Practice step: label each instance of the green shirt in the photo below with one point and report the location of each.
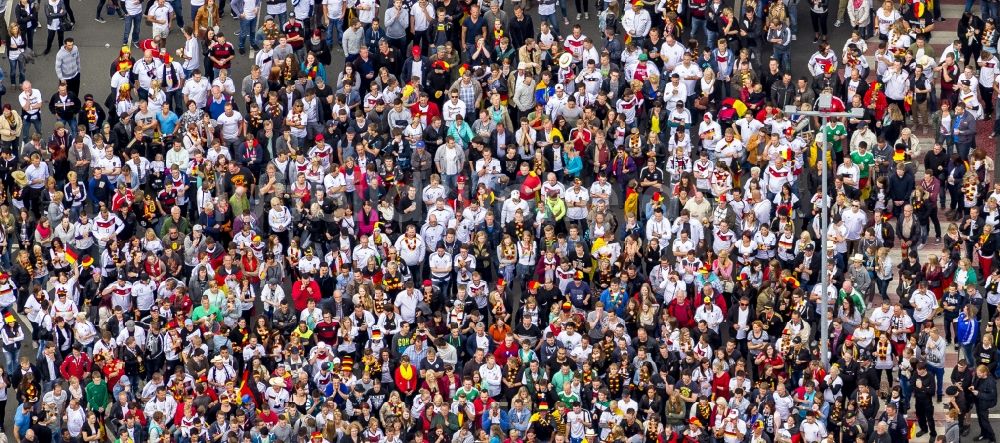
(558, 379)
(470, 395)
(835, 131)
(97, 395)
(200, 312)
(859, 301)
(864, 162)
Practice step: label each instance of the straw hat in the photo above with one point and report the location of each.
(565, 60)
(20, 178)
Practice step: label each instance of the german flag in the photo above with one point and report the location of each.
(72, 256)
(245, 394)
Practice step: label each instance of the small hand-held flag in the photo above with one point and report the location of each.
(72, 256)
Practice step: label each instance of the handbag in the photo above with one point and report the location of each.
(701, 103)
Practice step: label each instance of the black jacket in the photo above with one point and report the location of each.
(927, 388)
(986, 392)
(814, 266)
(67, 112)
(520, 30)
(900, 188)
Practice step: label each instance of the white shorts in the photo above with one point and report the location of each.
(160, 32)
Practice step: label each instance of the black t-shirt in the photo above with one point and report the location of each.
(473, 29)
(241, 178)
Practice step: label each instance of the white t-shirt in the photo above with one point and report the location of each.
(34, 98)
(438, 261)
(161, 13)
(133, 7)
(277, 9)
(367, 15)
(420, 22)
(302, 9)
(334, 9)
(230, 125)
(192, 49)
(197, 91)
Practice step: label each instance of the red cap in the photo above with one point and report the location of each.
(428, 283)
(319, 137)
(416, 51)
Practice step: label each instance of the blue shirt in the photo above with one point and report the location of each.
(216, 108)
(22, 420)
(168, 122)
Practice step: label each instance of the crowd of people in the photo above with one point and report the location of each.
(440, 221)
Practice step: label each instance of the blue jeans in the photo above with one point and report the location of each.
(964, 149)
(793, 19)
(333, 31)
(11, 357)
(968, 5)
(36, 122)
(449, 180)
(551, 20)
(697, 27)
(132, 23)
(969, 351)
(991, 10)
(179, 12)
(905, 390)
(444, 285)
(710, 39)
(68, 123)
(247, 29)
(280, 19)
(883, 287)
(784, 55)
(16, 71)
(194, 12)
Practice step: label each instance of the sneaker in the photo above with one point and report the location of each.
(794, 37)
(234, 15)
(586, 16)
(243, 51)
(815, 40)
(837, 23)
(100, 20)
(577, 16)
(565, 21)
(942, 19)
